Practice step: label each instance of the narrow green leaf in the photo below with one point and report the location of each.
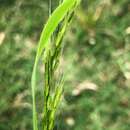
(53, 21)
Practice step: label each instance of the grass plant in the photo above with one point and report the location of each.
(50, 47)
(96, 53)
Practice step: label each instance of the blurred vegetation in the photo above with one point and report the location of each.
(96, 61)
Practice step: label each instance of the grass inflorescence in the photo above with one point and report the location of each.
(50, 46)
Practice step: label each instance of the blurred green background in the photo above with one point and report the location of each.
(96, 60)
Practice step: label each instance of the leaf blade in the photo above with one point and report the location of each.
(53, 21)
